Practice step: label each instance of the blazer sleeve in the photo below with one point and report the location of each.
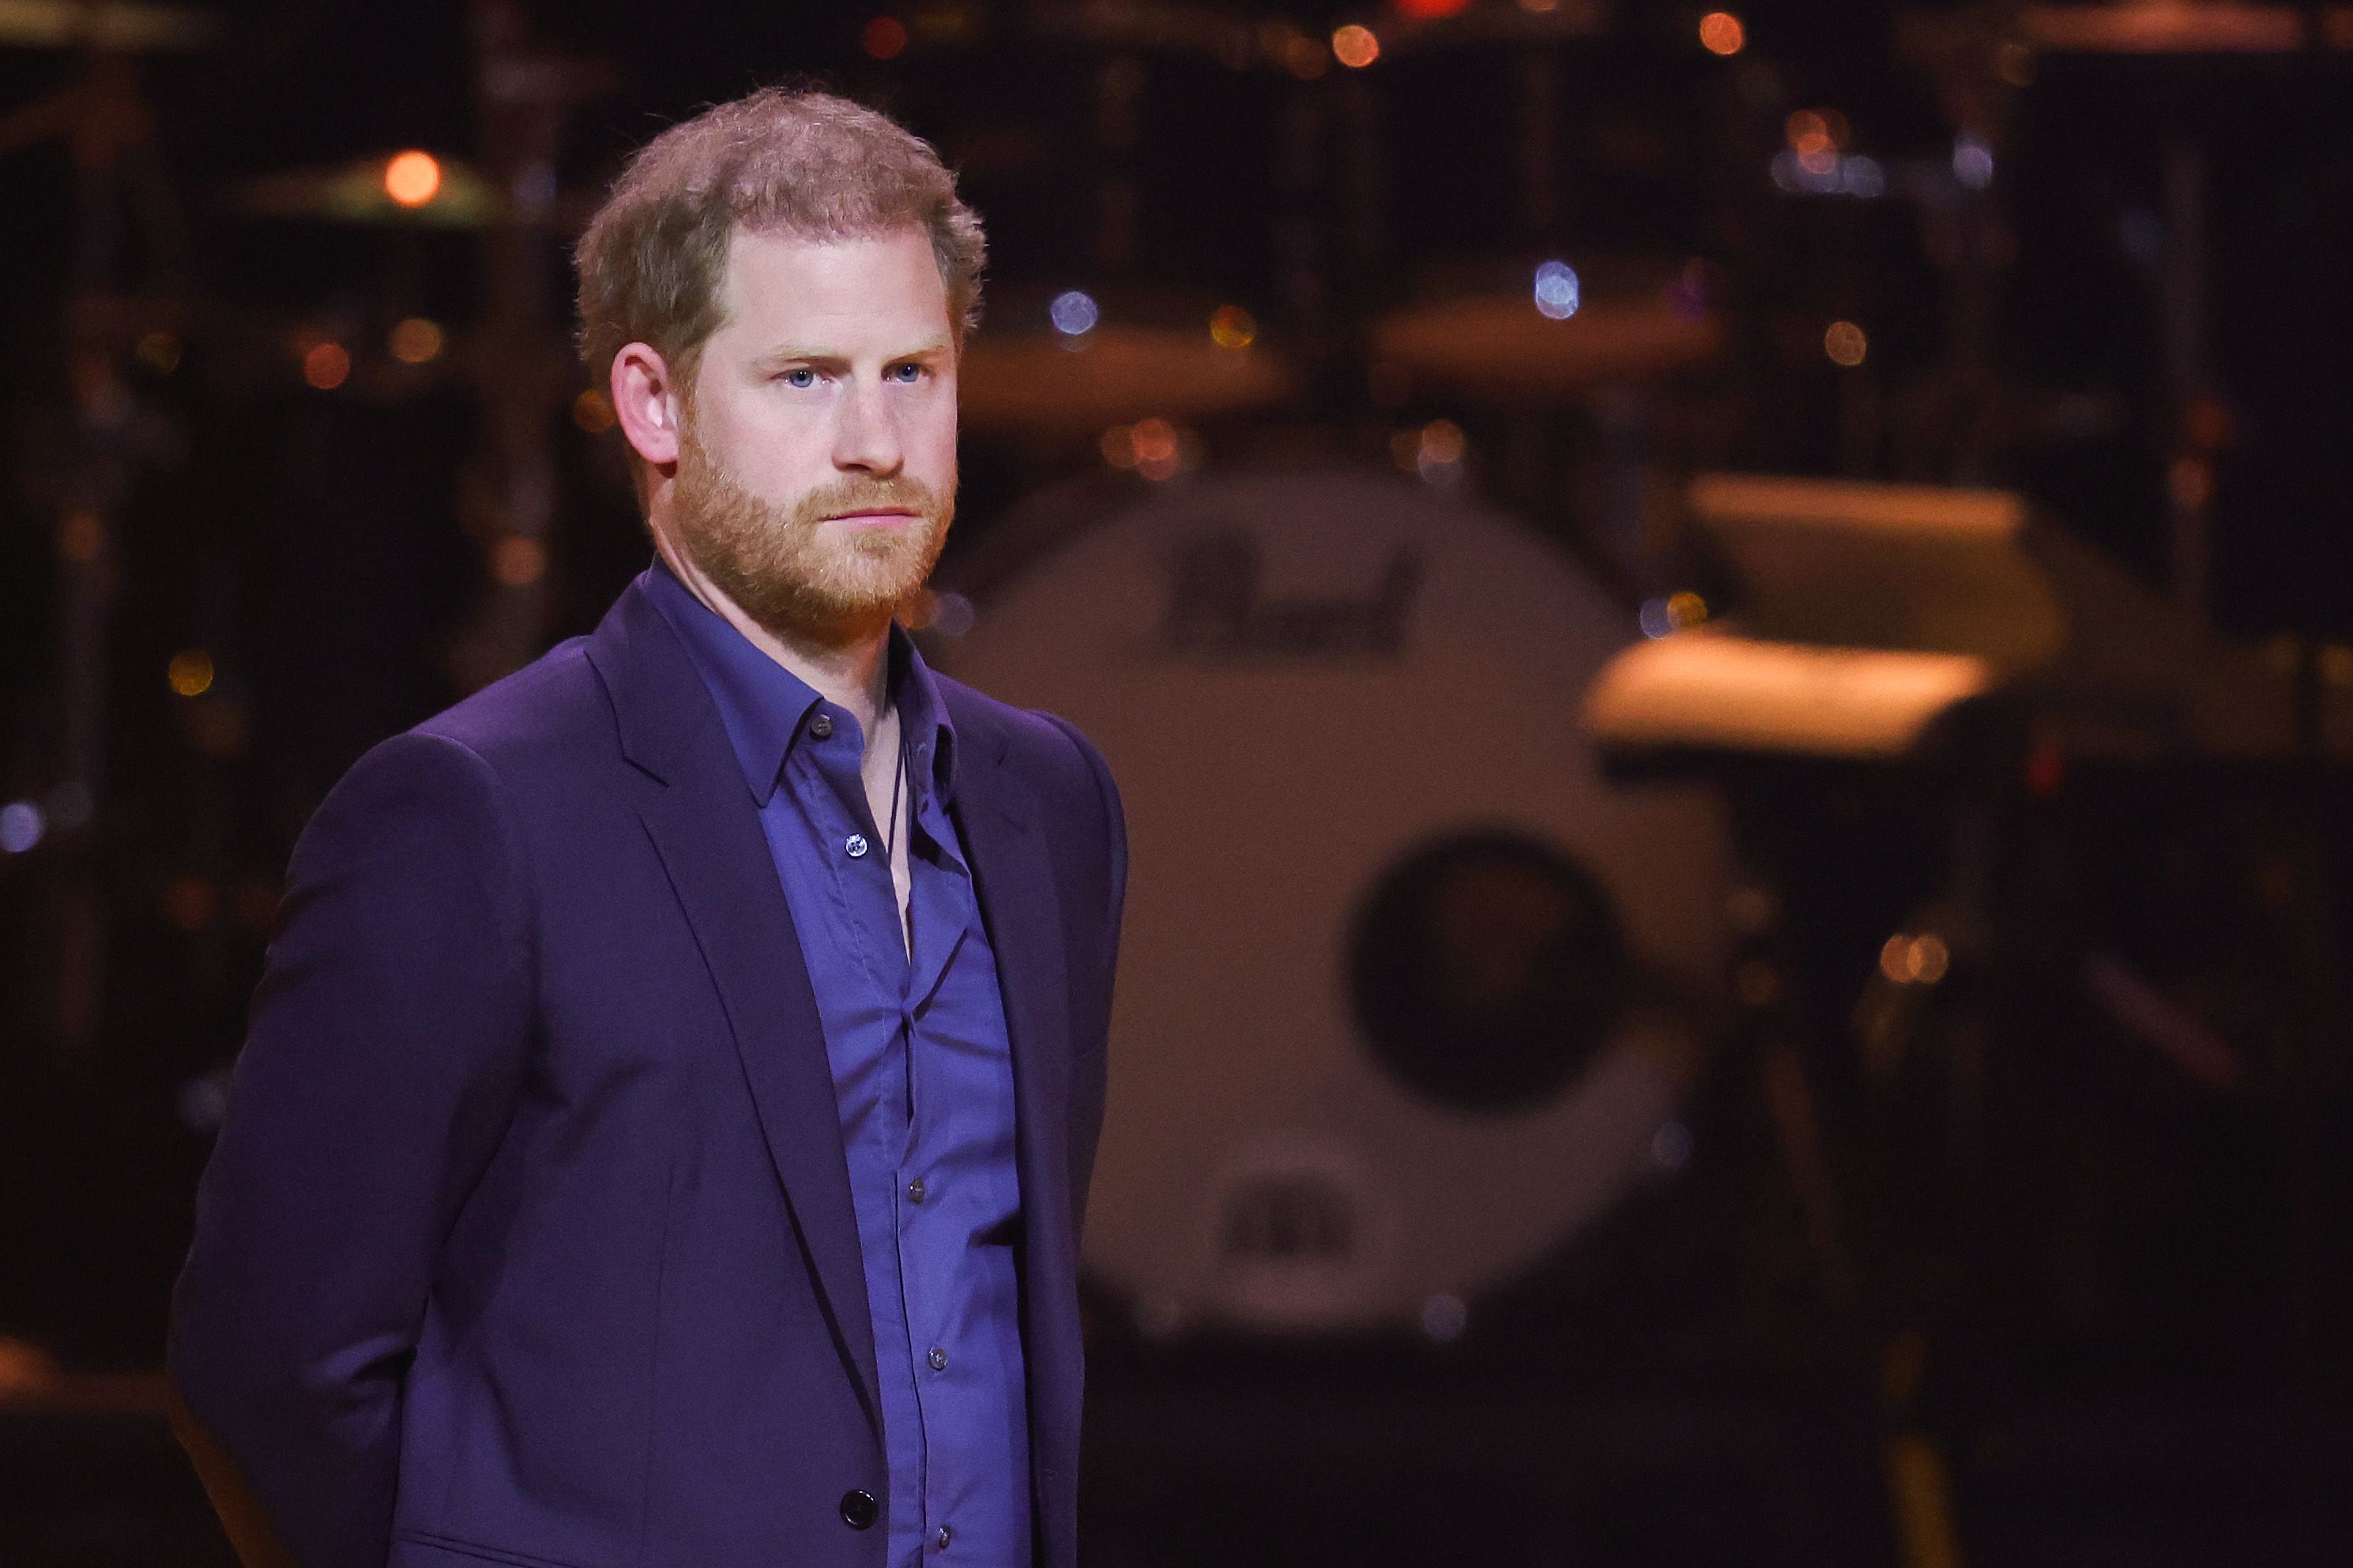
(387, 1047)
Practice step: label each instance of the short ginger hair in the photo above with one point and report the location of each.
(803, 163)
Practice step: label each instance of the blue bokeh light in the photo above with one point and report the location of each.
(1557, 291)
(1074, 313)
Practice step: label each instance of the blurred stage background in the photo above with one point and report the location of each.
(1726, 632)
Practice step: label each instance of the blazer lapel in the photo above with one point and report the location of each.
(1014, 881)
(702, 823)
(996, 817)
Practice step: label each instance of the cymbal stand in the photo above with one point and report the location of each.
(112, 442)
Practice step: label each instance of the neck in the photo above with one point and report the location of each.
(845, 665)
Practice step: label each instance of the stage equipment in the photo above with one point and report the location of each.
(1408, 988)
(107, 26)
(372, 191)
(1879, 621)
(127, 279)
(1029, 377)
(518, 356)
(1506, 347)
(2185, 28)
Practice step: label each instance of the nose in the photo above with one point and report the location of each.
(866, 437)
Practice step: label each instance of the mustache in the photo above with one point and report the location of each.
(864, 492)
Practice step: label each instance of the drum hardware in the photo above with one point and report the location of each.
(1962, 636)
(1878, 617)
(111, 438)
(1054, 383)
(1510, 349)
(404, 189)
(104, 27)
(2184, 28)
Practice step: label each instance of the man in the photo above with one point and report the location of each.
(669, 1109)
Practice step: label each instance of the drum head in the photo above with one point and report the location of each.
(1387, 1026)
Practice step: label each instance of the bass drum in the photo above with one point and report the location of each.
(1409, 990)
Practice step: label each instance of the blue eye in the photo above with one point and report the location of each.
(801, 376)
(909, 372)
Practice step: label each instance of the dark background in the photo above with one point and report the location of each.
(2137, 1307)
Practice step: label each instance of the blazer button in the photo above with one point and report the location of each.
(859, 1510)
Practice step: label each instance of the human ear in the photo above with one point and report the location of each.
(646, 403)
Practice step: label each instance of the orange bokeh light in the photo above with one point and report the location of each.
(1808, 132)
(412, 178)
(1432, 10)
(1356, 47)
(1845, 344)
(592, 412)
(884, 38)
(518, 562)
(326, 365)
(1720, 33)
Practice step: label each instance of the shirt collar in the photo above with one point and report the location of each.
(765, 706)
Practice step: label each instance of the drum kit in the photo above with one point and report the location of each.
(1441, 907)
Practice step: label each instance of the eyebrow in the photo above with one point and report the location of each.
(789, 355)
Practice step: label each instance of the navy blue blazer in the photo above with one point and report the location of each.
(527, 1238)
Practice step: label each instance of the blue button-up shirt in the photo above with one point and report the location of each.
(922, 1078)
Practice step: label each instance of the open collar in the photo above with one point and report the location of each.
(765, 708)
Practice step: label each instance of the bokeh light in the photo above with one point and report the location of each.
(1074, 313)
(1811, 133)
(1231, 327)
(1557, 292)
(191, 672)
(1355, 47)
(593, 411)
(518, 561)
(1910, 960)
(412, 178)
(1439, 453)
(326, 365)
(1845, 344)
(1158, 450)
(1721, 33)
(885, 37)
(159, 351)
(1972, 161)
(416, 340)
(21, 827)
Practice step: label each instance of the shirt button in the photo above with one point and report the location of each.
(939, 1359)
(915, 1190)
(822, 727)
(940, 1542)
(856, 845)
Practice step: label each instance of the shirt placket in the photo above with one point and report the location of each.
(922, 1206)
(865, 878)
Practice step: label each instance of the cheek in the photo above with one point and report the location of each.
(769, 453)
(935, 440)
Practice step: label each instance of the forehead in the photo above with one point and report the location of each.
(783, 282)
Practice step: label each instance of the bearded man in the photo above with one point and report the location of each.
(669, 1109)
